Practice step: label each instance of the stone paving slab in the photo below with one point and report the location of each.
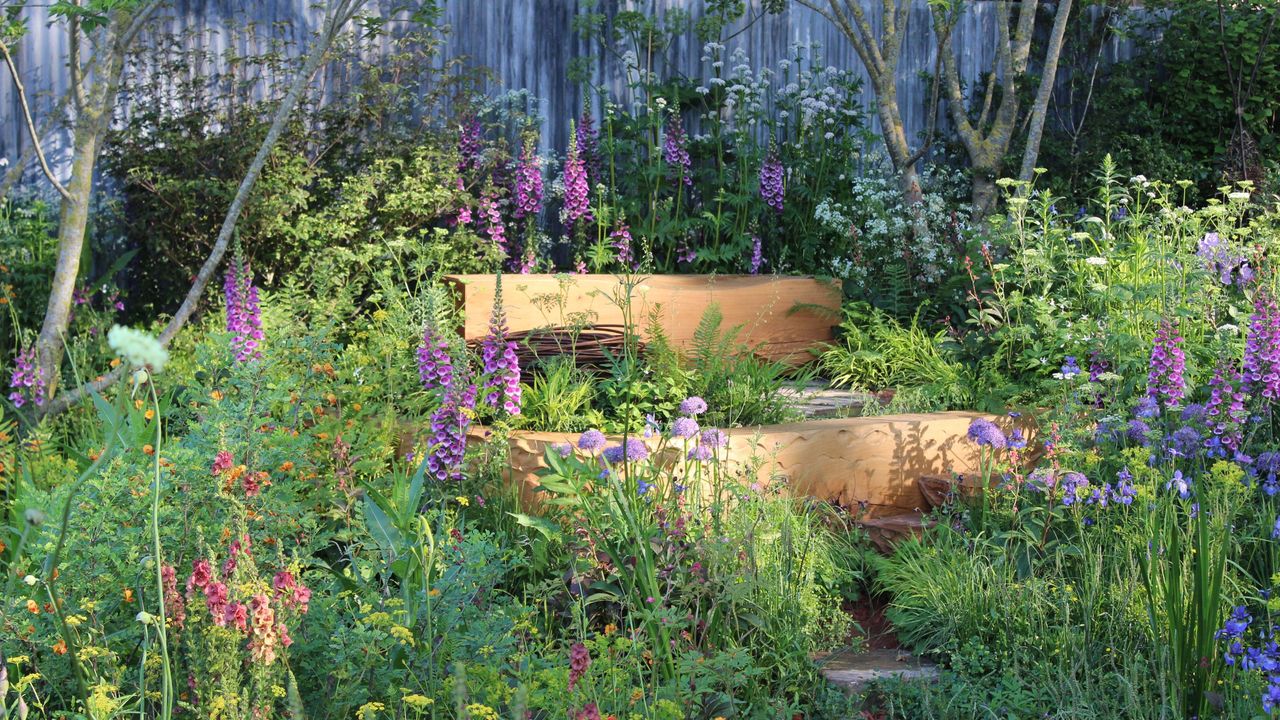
(854, 670)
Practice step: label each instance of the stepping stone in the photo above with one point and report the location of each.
(885, 532)
(854, 670)
(817, 400)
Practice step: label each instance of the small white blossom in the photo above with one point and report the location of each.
(138, 348)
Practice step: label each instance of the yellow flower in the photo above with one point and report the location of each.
(19, 659)
(481, 712)
(434, 592)
(418, 702)
(401, 633)
(462, 500)
(369, 710)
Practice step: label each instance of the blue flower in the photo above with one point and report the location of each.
(693, 405)
(591, 441)
(1179, 484)
(633, 451)
(1275, 531)
(1070, 368)
(985, 432)
(643, 487)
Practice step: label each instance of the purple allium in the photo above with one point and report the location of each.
(1138, 431)
(714, 438)
(528, 182)
(1262, 349)
(772, 181)
(244, 320)
(1184, 442)
(592, 441)
(621, 240)
(634, 450)
(449, 423)
(675, 151)
(701, 453)
(501, 365)
(693, 406)
(577, 189)
(435, 365)
(757, 255)
(470, 144)
(27, 380)
(564, 450)
(985, 432)
(1225, 412)
(1168, 362)
(589, 146)
(684, 427)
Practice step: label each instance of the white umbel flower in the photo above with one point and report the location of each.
(138, 348)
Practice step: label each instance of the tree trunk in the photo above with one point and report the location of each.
(72, 221)
(895, 141)
(983, 191)
(909, 182)
(1040, 107)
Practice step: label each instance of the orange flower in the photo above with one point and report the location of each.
(60, 647)
(94, 455)
(286, 466)
(610, 629)
(148, 449)
(149, 414)
(128, 595)
(357, 407)
(137, 404)
(115, 362)
(33, 607)
(215, 395)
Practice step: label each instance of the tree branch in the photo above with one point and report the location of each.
(31, 123)
(339, 15)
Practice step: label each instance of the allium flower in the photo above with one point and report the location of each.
(27, 380)
(528, 183)
(988, 434)
(675, 152)
(693, 406)
(621, 240)
(592, 441)
(772, 181)
(713, 438)
(701, 453)
(137, 348)
(634, 450)
(577, 190)
(435, 365)
(1225, 411)
(1168, 362)
(757, 255)
(1262, 349)
(244, 320)
(685, 427)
